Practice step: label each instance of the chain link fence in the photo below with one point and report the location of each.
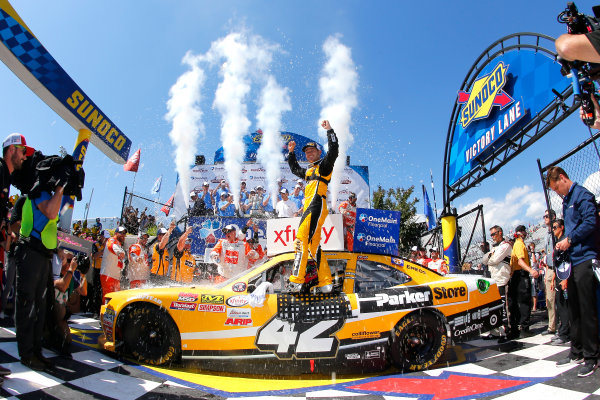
(582, 164)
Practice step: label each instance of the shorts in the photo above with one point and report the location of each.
(594, 38)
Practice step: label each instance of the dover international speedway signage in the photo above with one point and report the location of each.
(377, 231)
(23, 53)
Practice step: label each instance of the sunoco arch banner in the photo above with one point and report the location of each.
(23, 53)
(509, 91)
(377, 231)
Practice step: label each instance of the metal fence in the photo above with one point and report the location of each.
(471, 233)
(582, 164)
(140, 212)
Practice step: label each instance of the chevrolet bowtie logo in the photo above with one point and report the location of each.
(486, 93)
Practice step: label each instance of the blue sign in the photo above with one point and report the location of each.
(207, 231)
(377, 231)
(508, 93)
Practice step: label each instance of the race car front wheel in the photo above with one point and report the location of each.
(418, 341)
(150, 335)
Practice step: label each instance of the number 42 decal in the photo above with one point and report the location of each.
(300, 339)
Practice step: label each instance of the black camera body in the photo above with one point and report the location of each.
(83, 263)
(43, 173)
(578, 23)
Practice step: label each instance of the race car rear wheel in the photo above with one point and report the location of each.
(150, 335)
(418, 341)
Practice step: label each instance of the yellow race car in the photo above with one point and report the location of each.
(382, 309)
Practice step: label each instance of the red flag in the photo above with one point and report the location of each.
(167, 207)
(133, 163)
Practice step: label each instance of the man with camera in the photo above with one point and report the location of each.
(69, 279)
(33, 254)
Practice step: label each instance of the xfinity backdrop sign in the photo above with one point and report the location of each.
(281, 233)
(377, 231)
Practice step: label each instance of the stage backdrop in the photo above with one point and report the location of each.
(354, 179)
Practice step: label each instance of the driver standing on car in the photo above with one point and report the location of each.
(317, 176)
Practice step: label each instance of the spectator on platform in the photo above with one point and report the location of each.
(437, 264)
(197, 206)
(414, 254)
(225, 206)
(286, 208)
(97, 225)
(266, 200)
(222, 187)
(580, 242)
(138, 270)
(297, 196)
(243, 193)
(207, 196)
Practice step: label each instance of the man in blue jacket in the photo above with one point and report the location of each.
(579, 214)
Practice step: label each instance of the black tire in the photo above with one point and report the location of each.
(418, 341)
(150, 335)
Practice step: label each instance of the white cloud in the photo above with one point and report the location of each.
(521, 205)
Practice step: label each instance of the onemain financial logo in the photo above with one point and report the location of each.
(376, 241)
(377, 222)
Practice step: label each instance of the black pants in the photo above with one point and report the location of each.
(519, 301)
(583, 314)
(34, 285)
(58, 334)
(96, 301)
(562, 312)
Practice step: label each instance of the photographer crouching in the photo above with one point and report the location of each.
(69, 282)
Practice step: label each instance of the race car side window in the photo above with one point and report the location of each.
(278, 275)
(373, 275)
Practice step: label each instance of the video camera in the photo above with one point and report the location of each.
(578, 23)
(83, 263)
(582, 73)
(43, 173)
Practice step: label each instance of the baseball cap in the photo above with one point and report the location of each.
(414, 248)
(206, 183)
(224, 194)
(283, 190)
(161, 231)
(298, 186)
(299, 181)
(259, 187)
(18, 140)
(192, 193)
(228, 228)
(121, 229)
(188, 241)
(310, 144)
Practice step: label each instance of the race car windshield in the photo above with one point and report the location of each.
(240, 274)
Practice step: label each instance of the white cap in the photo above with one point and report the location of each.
(414, 248)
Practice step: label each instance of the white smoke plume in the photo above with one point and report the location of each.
(274, 100)
(245, 57)
(338, 85)
(185, 115)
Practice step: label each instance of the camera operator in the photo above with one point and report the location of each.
(69, 280)
(38, 238)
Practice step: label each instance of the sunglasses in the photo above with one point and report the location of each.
(494, 233)
(556, 227)
(546, 216)
(21, 147)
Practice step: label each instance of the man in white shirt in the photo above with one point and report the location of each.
(285, 207)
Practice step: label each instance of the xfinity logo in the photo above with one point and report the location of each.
(288, 235)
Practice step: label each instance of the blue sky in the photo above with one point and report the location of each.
(411, 59)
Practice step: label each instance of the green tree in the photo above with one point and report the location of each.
(400, 199)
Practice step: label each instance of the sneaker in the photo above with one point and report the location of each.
(33, 362)
(325, 288)
(46, 361)
(293, 287)
(548, 332)
(568, 360)
(559, 342)
(555, 337)
(586, 369)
